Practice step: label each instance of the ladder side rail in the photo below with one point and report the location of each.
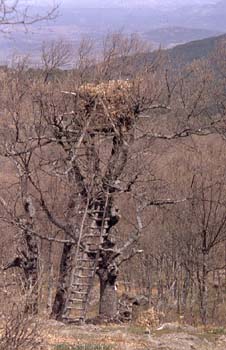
(102, 231)
(75, 257)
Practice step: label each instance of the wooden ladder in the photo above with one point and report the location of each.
(84, 267)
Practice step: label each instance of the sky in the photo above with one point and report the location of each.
(128, 3)
(116, 3)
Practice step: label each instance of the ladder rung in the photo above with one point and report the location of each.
(80, 284)
(83, 260)
(93, 249)
(73, 320)
(96, 211)
(101, 219)
(74, 307)
(85, 268)
(91, 243)
(82, 276)
(78, 292)
(92, 236)
(84, 263)
(96, 236)
(106, 225)
(76, 299)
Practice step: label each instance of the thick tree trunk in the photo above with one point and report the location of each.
(108, 304)
(63, 281)
(27, 262)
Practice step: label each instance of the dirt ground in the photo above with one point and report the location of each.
(58, 336)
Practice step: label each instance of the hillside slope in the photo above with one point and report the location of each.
(188, 52)
(172, 36)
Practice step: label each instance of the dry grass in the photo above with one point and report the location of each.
(149, 318)
(129, 337)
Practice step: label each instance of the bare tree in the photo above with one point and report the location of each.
(89, 139)
(55, 55)
(17, 12)
(82, 138)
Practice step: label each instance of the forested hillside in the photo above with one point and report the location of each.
(198, 49)
(188, 52)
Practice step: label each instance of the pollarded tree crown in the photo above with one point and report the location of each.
(112, 102)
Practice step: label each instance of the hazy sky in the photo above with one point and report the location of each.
(131, 2)
(108, 3)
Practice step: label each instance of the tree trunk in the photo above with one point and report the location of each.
(27, 262)
(49, 277)
(108, 305)
(203, 285)
(63, 281)
(30, 267)
(203, 290)
(185, 289)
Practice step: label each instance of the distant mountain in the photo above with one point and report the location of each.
(139, 15)
(186, 53)
(172, 36)
(99, 16)
(162, 22)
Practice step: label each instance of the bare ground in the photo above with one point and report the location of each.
(128, 337)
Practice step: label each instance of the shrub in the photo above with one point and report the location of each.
(20, 332)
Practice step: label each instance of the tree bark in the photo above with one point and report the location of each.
(49, 278)
(63, 281)
(31, 273)
(203, 290)
(108, 305)
(27, 262)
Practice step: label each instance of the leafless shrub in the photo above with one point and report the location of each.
(20, 331)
